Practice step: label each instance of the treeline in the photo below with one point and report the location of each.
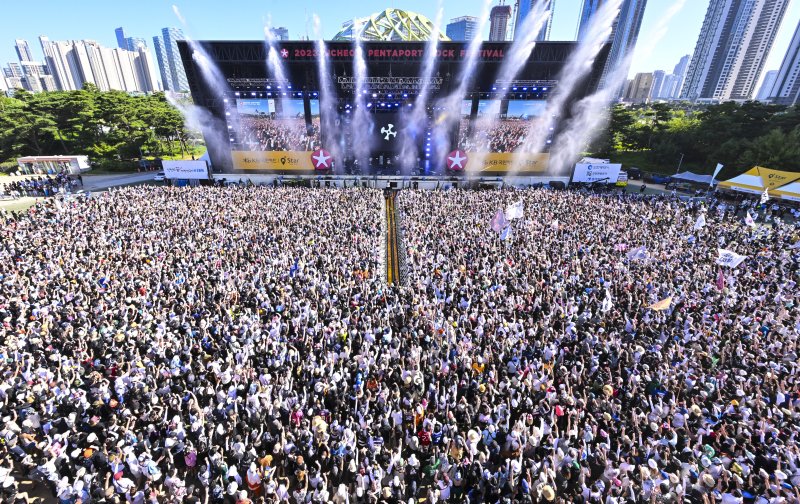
(739, 136)
(112, 125)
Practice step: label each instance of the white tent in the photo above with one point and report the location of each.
(788, 192)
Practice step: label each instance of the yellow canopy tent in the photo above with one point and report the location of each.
(757, 178)
(776, 178)
(749, 182)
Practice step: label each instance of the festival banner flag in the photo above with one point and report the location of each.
(506, 234)
(515, 210)
(749, 220)
(765, 195)
(639, 253)
(607, 302)
(720, 280)
(661, 305)
(716, 172)
(499, 222)
(554, 225)
(700, 223)
(729, 258)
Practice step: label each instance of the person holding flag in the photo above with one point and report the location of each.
(700, 223)
(498, 222)
(749, 220)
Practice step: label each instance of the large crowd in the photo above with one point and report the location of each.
(502, 136)
(239, 345)
(263, 133)
(41, 185)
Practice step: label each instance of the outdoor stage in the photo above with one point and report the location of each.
(408, 112)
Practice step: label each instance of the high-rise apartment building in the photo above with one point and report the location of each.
(23, 50)
(171, 36)
(163, 62)
(498, 22)
(766, 86)
(524, 8)
(77, 62)
(624, 31)
(679, 76)
(658, 84)
(638, 91)
(121, 42)
(786, 88)
(462, 28)
(734, 42)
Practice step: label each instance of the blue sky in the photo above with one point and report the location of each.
(245, 19)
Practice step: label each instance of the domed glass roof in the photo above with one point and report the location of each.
(390, 25)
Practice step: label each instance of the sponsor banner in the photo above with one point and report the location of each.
(182, 170)
(775, 178)
(502, 162)
(273, 160)
(605, 172)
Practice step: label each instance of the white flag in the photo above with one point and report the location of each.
(719, 167)
(515, 210)
(554, 225)
(701, 222)
(729, 258)
(765, 195)
(637, 253)
(607, 303)
(749, 220)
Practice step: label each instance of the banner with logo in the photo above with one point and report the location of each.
(273, 160)
(776, 178)
(183, 170)
(729, 258)
(588, 173)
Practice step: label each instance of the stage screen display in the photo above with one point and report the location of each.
(274, 135)
(498, 132)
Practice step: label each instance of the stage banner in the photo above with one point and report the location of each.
(602, 172)
(182, 170)
(502, 162)
(275, 161)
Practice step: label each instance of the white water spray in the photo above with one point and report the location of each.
(327, 99)
(452, 103)
(215, 131)
(575, 69)
(590, 115)
(361, 126)
(515, 61)
(276, 69)
(415, 121)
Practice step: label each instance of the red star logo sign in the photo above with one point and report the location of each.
(456, 160)
(321, 159)
(284, 53)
